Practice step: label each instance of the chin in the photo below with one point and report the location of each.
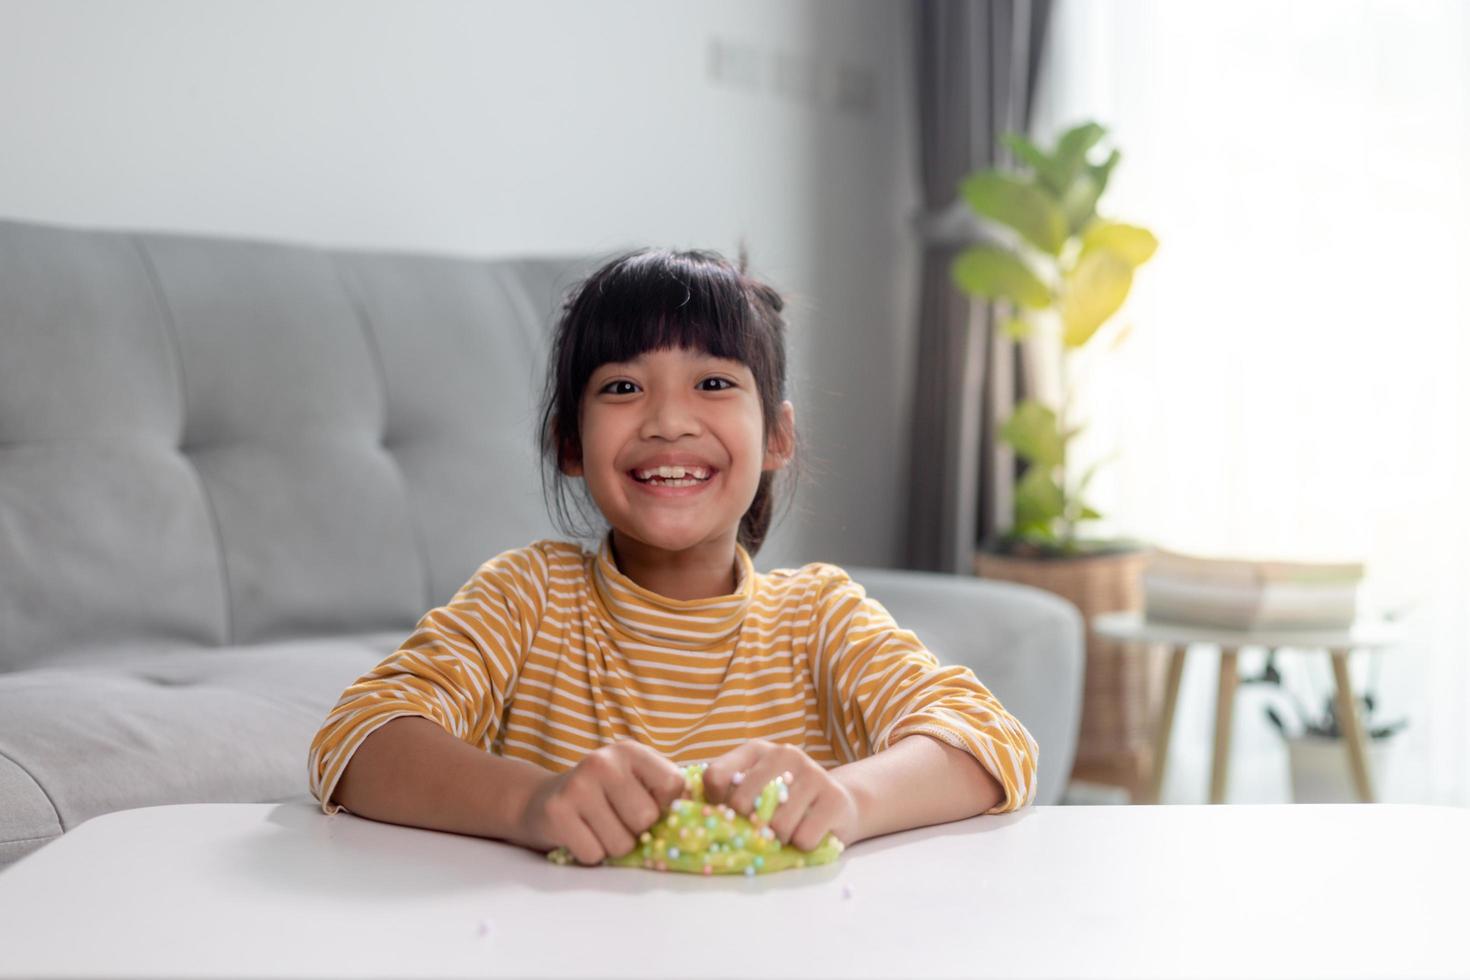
(670, 539)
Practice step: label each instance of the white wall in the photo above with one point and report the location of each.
(511, 128)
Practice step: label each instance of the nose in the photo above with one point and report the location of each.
(669, 415)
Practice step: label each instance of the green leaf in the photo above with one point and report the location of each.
(1035, 532)
(1131, 243)
(1072, 147)
(1017, 204)
(1079, 203)
(1102, 171)
(1093, 292)
(1088, 514)
(1038, 502)
(993, 272)
(1032, 432)
(1034, 157)
(1017, 327)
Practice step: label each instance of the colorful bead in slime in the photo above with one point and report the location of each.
(702, 838)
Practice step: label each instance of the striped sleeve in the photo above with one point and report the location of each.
(455, 668)
(876, 684)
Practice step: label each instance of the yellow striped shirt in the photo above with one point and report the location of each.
(549, 651)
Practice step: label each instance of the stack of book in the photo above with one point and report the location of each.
(1246, 594)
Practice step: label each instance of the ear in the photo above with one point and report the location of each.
(781, 446)
(570, 461)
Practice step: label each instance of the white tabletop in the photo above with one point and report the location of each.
(1133, 627)
(1108, 891)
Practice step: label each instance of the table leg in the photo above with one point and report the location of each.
(1352, 726)
(1224, 705)
(1166, 723)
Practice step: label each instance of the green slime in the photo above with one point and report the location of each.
(702, 838)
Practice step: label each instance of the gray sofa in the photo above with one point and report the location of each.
(234, 474)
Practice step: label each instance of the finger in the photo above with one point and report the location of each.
(719, 776)
(634, 805)
(743, 797)
(582, 842)
(663, 780)
(788, 815)
(820, 818)
(611, 834)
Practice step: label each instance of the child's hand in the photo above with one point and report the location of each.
(815, 802)
(599, 808)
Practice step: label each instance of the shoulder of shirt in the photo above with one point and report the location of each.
(535, 559)
(818, 578)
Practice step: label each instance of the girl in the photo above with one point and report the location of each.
(553, 700)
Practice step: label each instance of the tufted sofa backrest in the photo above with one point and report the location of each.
(209, 442)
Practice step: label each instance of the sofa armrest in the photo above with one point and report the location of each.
(1025, 644)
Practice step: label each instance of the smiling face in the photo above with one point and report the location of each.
(676, 407)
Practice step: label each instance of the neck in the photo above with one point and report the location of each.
(703, 571)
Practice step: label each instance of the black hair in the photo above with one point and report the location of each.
(656, 299)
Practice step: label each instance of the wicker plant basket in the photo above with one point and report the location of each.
(1114, 744)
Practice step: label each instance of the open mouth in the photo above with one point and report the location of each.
(674, 476)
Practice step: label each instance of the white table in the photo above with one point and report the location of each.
(1133, 629)
(277, 890)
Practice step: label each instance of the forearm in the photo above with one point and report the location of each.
(916, 782)
(412, 772)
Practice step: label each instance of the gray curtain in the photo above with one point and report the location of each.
(977, 62)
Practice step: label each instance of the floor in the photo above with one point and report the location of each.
(1260, 770)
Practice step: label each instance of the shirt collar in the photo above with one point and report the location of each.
(652, 618)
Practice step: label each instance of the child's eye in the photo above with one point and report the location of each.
(622, 382)
(726, 382)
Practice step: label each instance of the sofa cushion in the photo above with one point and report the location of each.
(111, 730)
(27, 820)
(283, 422)
(461, 397)
(216, 442)
(105, 532)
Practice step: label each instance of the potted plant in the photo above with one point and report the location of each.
(1054, 266)
(1318, 757)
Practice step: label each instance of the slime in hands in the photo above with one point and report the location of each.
(702, 838)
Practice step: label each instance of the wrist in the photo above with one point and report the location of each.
(510, 787)
(851, 779)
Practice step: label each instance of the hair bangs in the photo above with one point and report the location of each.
(660, 300)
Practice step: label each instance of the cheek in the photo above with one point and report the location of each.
(752, 448)
(597, 444)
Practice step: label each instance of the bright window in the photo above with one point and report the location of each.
(1294, 384)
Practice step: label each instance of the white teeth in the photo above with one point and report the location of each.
(674, 473)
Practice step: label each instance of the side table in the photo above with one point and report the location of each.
(1133, 629)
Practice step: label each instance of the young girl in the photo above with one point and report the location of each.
(552, 701)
